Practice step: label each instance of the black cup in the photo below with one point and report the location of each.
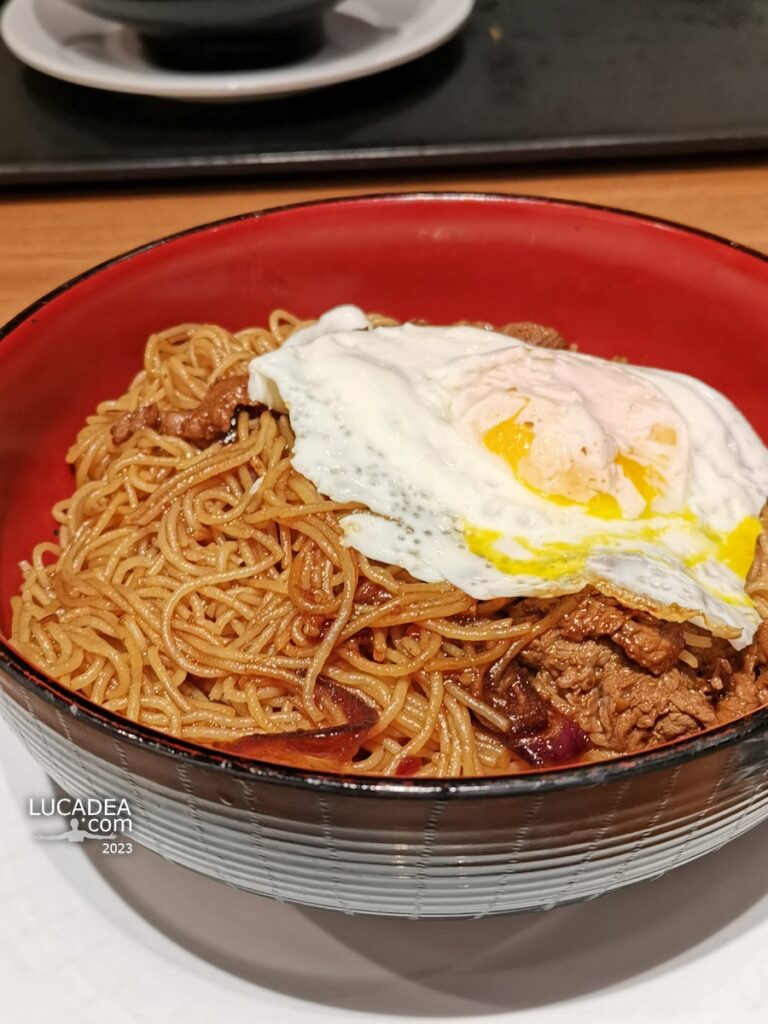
(195, 35)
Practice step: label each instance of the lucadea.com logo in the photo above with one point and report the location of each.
(104, 819)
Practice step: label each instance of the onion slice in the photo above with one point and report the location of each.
(537, 731)
(562, 741)
(315, 748)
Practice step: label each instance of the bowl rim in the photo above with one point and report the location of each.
(190, 753)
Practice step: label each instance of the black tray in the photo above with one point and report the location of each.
(525, 80)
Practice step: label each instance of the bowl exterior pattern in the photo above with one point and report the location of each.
(404, 855)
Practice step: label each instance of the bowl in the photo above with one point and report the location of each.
(219, 34)
(613, 282)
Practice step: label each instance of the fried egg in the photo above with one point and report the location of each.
(512, 470)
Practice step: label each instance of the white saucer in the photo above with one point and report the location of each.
(362, 37)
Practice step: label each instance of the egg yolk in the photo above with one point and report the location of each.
(736, 549)
(512, 440)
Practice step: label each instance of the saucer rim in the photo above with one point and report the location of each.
(19, 15)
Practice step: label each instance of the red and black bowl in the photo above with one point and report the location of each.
(653, 291)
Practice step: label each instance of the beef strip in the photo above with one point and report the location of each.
(761, 643)
(744, 692)
(619, 705)
(616, 673)
(130, 422)
(535, 334)
(649, 642)
(205, 423)
(745, 686)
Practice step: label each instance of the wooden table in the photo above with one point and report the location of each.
(45, 239)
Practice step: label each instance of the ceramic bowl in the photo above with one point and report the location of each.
(196, 34)
(611, 281)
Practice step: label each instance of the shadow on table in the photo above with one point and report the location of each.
(450, 968)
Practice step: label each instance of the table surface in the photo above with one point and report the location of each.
(691, 78)
(46, 238)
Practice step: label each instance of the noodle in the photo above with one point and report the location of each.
(206, 592)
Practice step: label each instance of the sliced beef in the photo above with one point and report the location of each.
(638, 709)
(535, 334)
(649, 642)
(576, 666)
(210, 420)
(761, 643)
(618, 704)
(743, 692)
(130, 422)
(715, 657)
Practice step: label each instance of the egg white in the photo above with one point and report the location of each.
(395, 418)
